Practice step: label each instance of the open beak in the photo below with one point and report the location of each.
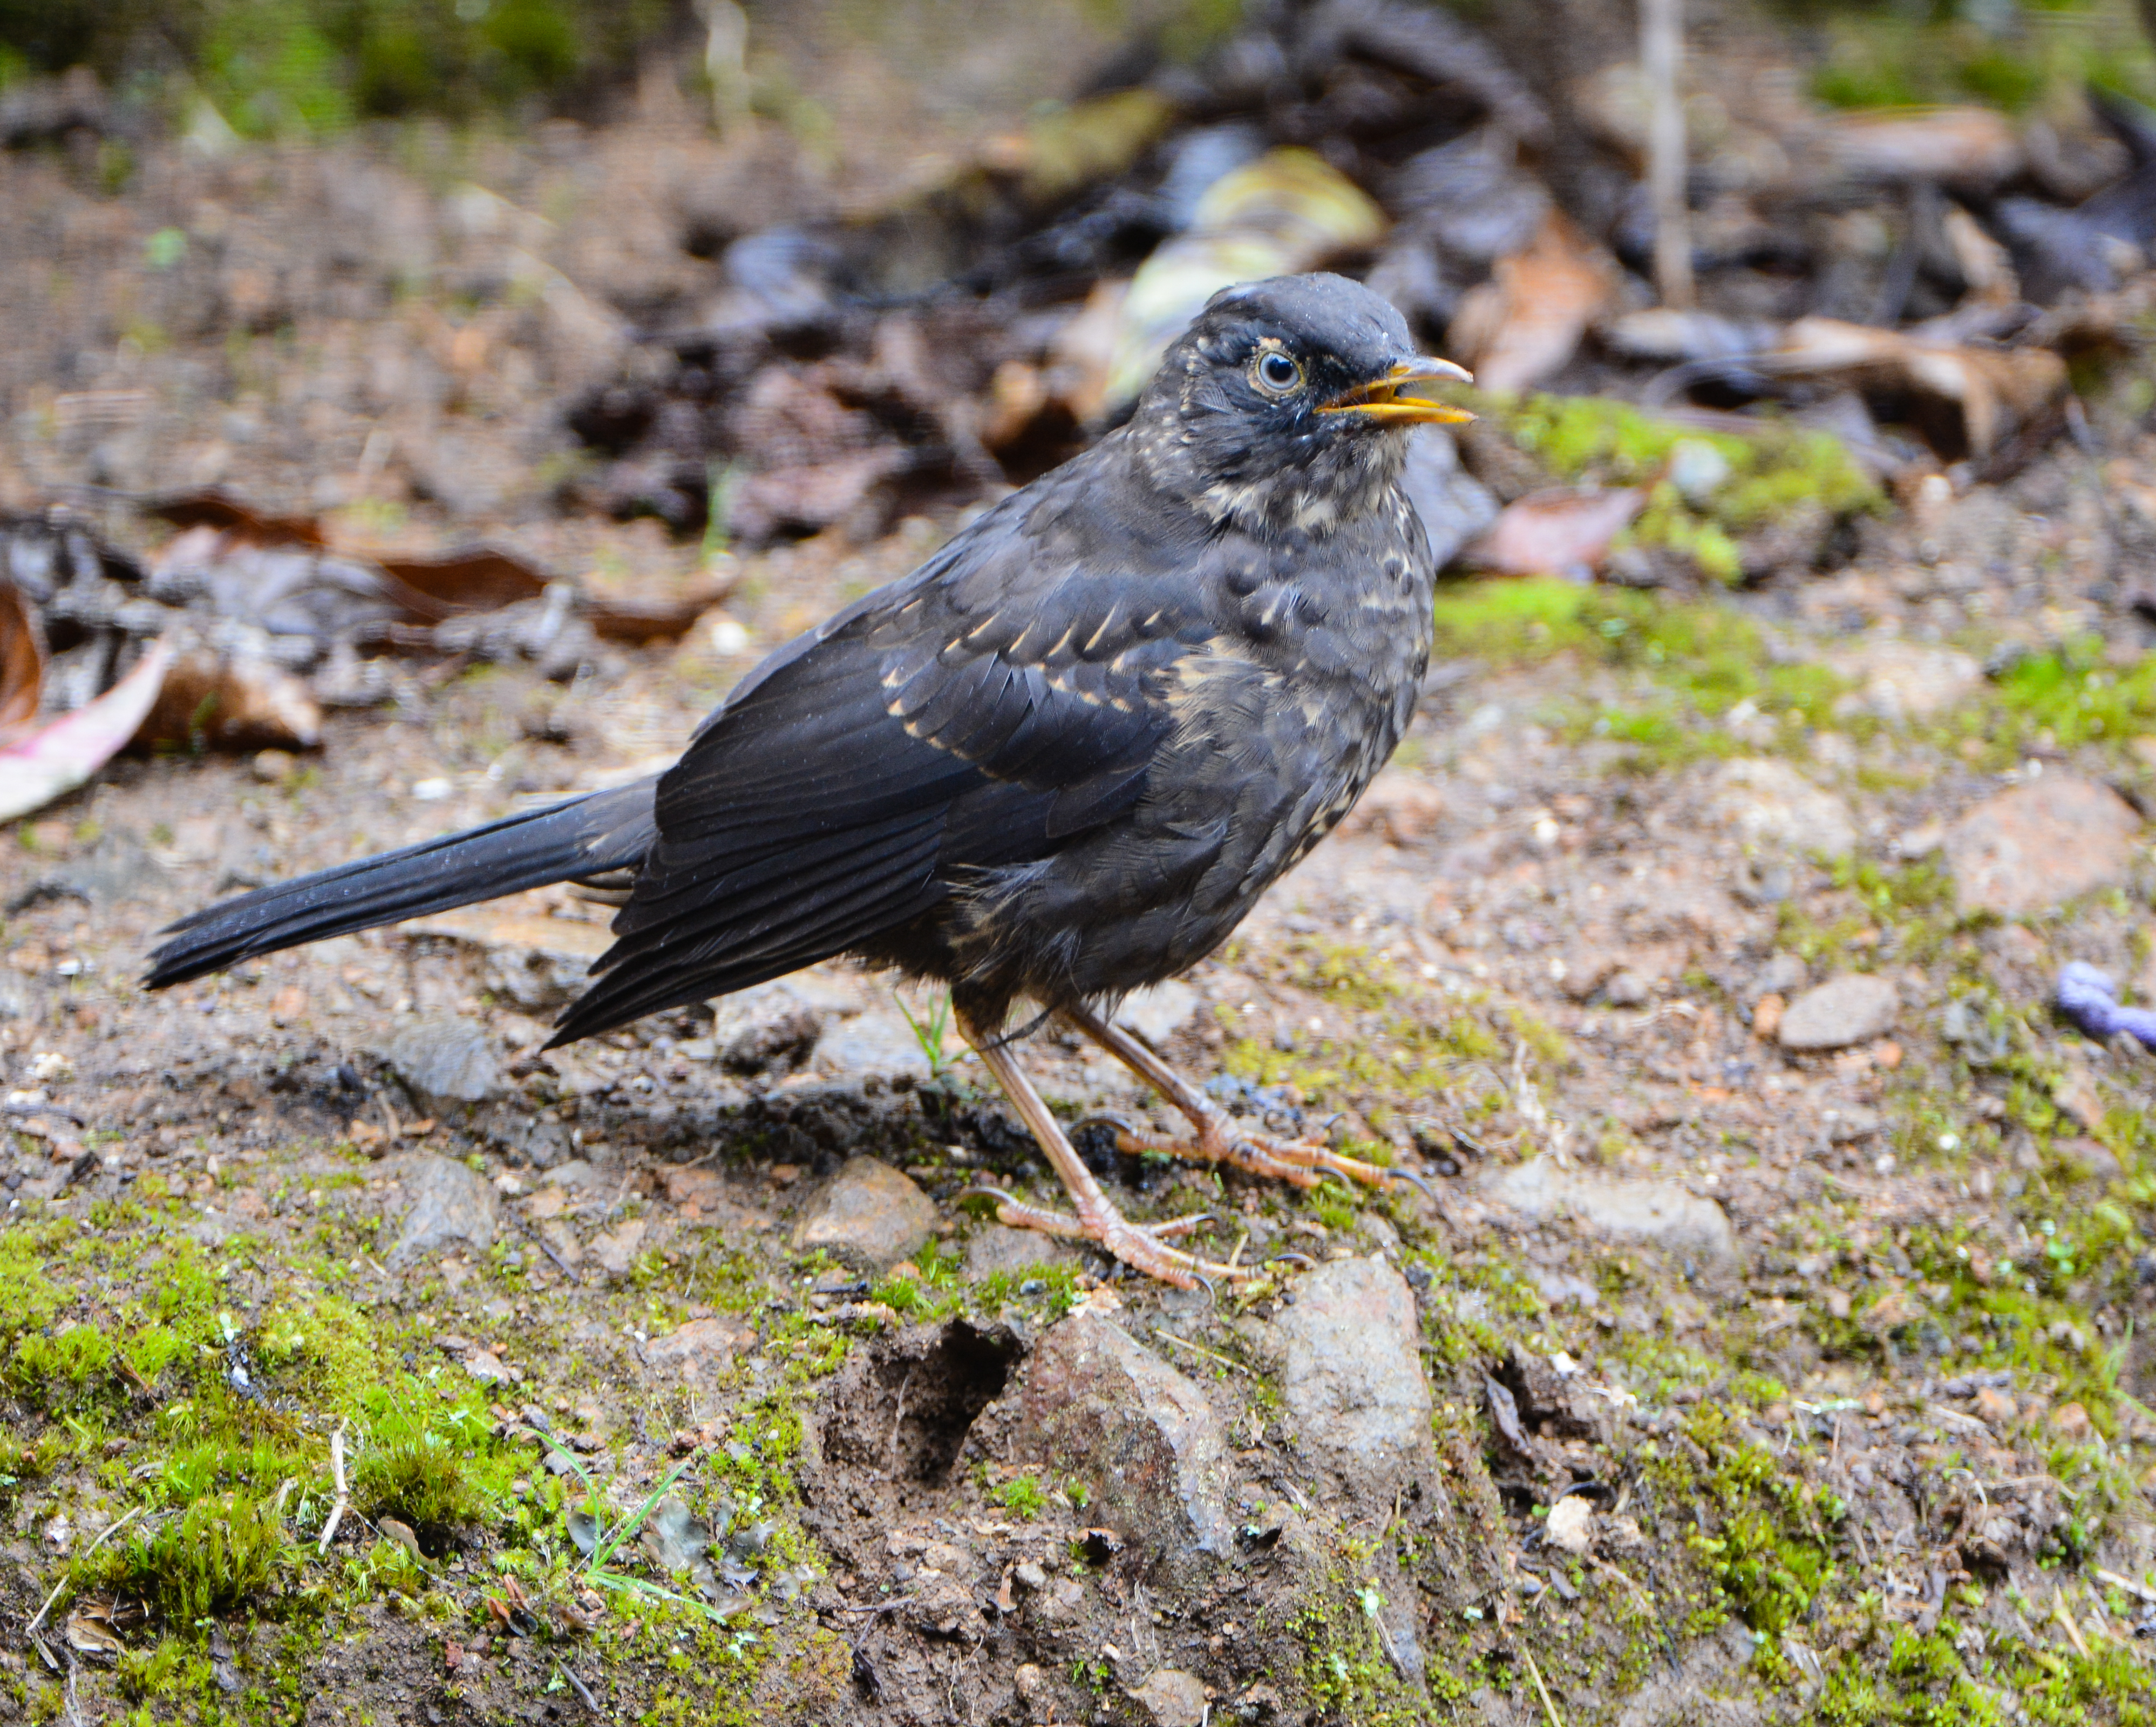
(1381, 400)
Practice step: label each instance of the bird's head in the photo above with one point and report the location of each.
(1288, 402)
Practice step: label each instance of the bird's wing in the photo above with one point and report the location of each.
(1003, 699)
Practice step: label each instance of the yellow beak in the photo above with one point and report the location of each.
(1381, 398)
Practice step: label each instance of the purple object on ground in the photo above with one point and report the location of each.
(2088, 998)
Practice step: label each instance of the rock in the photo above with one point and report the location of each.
(868, 1215)
(617, 1248)
(782, 1041)
(446, 1203)
(1899, 681)
(1399, 806)
(876, 1044)
(2039, 843)
(1995, 1408)
(1660, 1213)
(1097, 1405)
(1171, 1698)
(695, 1351)
(993, 1248)
(1782, 975)
(1353, 1381)
(444, 1059)
(1626, 988)
(1852, 1008)
(1768, 803)
(538, 963)
(1571, 1524)
(1767, 1016)
(1157, 1014)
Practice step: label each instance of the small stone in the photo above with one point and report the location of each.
(876, 1044)
(617, 1248)
(1627, 988)
(1099, 1405)
(1157, 1014)
(2070, 1420)
(1902, 682)
(1851, 1008)
(448, 1203)
(993, 1248)
(1353, 1381)
(1171, 1697)
(274, 767)
(2048, 841)
(444, 1059)
(1782, 975)
(2093, 1157)
(1399, 806)
(697, 1349)
(1995, 1408)
(1028, 1576)
(868, 1215)
(1767, 1016)
(1767, 802)
(1661, 1213)
(1570, 1525)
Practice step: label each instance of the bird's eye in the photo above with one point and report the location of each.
(1276, 373)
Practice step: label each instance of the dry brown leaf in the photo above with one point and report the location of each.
(1992, 390)
(22, 663)
(1527, 321)
(1559, 532)
(39, 765)
(231, 704)
(221, 510)
(474, 579)
(1953, 146)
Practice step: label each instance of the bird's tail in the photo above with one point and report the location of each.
(569, 842)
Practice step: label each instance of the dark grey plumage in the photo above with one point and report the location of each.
(1060, 760)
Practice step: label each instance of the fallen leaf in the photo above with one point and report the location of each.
(220, 510)
(1966, 146)
(1559, 532)
(1570, 1527)
(22, 663)
(231, 702)
(1527, 321)
(475, 578)
(40, 765)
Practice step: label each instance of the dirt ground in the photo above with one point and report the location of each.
(1777, 1316)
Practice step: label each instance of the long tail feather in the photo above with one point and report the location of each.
(607, 831)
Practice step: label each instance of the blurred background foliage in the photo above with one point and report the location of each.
(280, 66)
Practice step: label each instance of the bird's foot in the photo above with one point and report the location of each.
(1302, 1163)
(1142, 1247)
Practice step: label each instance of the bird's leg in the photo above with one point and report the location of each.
(1220, 1140)
(1144, 1248)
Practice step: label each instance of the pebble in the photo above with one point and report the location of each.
(448, 1203)
(444, 1059)
(2038, 843)
(1171, 1697)
(1902, 682)
(1853, 1008)
(868, 1215)
(1661, 1213)
(1097, 1405)
(1353, 1383)
(617, 1248)
(993, 1248)
(696, 1350)
(1157, 1014)
(1767, 802)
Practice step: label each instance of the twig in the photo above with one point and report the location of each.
(583, 1692)
(74, 1708)
(343, 1493)
(104, 1535)
(1169, 1337)
(2127, 1584)
(1542, 1690)
(2066, 1623)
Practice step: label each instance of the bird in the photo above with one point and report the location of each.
(1059, 762)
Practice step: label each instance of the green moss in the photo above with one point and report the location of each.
(1023, 1494)
(220, 1553)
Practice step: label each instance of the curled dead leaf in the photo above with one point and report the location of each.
(39, 766)
(1527, 321)
(22, 662)
(1559, 531)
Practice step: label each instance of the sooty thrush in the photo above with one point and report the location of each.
(1059, 761)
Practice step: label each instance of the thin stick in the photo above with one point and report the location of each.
(104, 1535)
(2067, 1622)
(343, 1493)
(2127, 1584)
(1542, 1690)
(583, 1693)
(1169, 1337)
(1662, 50)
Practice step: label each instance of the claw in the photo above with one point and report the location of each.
(1212, 1294)
(1410, 1176)
(1321, 1170)
(1301, 1259)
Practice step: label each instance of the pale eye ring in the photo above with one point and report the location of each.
(1274, 372)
